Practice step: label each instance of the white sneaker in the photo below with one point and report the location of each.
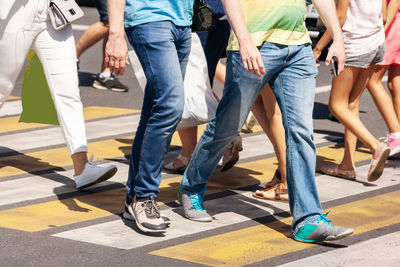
(93, 174)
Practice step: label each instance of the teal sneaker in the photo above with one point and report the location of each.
(320, 229)
(193, 205)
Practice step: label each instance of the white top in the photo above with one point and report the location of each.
(363, 29)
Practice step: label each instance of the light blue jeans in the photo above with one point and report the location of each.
(163, 50)
(291, 73)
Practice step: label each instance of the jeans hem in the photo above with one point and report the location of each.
(304, 222)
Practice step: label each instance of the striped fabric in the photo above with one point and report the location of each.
(281, 22)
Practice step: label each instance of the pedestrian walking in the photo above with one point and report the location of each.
(284, 59)
(27, 25)
(163, 57)
(97, 31)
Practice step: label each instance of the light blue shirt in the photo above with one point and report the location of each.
(142, 11)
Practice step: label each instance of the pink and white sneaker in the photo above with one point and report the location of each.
(394, 144)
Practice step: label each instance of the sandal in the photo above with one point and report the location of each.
(334, 170)
(231, 155)
(275, 180)
(277, 192)
(183, 159)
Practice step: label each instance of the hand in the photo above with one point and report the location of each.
(317, 54)
(116, 54)
(337, 50)
(251, 57)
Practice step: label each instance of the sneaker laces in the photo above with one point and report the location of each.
(151, 208)
(323, 218)
(385, 139)
(197, 200)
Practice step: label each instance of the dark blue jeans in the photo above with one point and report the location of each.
(163, 50)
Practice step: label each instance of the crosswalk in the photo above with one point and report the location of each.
(37, 194)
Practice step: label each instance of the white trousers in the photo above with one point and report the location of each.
(27, 25)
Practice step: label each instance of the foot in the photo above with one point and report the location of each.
(378, 162)
(193, 205)
(126, 215)
(275, 180)
(394, 145)
(231, 155)
(179, 164)
(320, 229)
(335, 170)
(146, 214)
(250, 121)
(278, 192)
(109, 83)
(93, 174)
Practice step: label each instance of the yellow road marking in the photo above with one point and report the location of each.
(11, 124)
(262, 242)
(11, 97)
(59, 213)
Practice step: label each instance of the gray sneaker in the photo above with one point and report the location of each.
(193, 205)
(146, 213)
(320, 229)
(126, 215)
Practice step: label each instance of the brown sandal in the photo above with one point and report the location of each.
(277, 192)
(185, 162)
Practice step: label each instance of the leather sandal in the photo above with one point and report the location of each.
(275, 180)
(231, 155)
(334, 170)
(277, 192)
(184, 160)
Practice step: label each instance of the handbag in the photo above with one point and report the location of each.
(203, 19)
(63, 12)
(200, 104)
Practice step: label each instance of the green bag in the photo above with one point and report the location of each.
(37, 103)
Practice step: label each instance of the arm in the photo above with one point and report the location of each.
(250, 54)
(333, 22)
(116, 54)
(392, 8)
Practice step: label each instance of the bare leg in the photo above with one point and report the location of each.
(79, 160)
(268, 115)
(92, 35)
(382, 99)
(342, 89)
(394, 87)
(220, 72)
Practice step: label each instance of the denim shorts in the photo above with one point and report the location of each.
(101, 6)
(364, 61)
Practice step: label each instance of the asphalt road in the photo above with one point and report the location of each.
(45, 222)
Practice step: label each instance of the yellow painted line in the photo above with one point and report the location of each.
(61, 213)
(13, 97)
(11, 124)
(262, 242)
(59, 157)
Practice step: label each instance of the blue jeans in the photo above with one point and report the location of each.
(163, 56)
(291, 73)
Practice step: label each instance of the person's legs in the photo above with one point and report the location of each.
(394, 87)
(240, 91)
(268, 115)
(55, 49)
(163, 57)
(15, 40)
(96, 32)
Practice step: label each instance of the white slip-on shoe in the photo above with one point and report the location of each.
(93, 174)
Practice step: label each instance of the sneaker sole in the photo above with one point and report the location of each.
(101, 87)
(377, 172)
(129, 217)
(394, 152)
(102, 178)
(329, 238)
(199, 219)
(142, 228)
(231, 162)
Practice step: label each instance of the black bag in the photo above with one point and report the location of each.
(203, 19)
